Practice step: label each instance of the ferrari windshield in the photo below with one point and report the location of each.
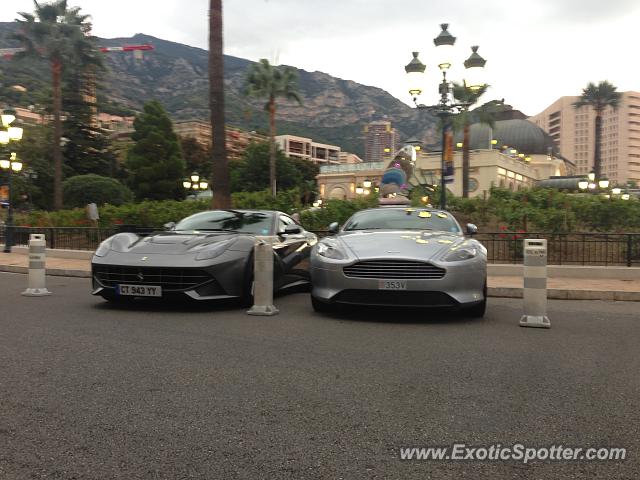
(258, 223)
(402, 219)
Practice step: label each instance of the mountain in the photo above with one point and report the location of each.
(333, 111)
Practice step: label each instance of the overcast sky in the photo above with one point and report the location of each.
(536, 50)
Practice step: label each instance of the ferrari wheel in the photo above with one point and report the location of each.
(117, 299)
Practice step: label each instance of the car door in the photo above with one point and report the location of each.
(292, 252)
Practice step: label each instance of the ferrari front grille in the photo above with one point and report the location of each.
(394, 269)
(169, 278)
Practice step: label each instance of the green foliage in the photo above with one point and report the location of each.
(87, 149)
(36, 180)
(285, 201)
(83, 189)
(250, 174)
(155, 162)
(197, 158)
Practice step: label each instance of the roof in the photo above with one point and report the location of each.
(523, 135)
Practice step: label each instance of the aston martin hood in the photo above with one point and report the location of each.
(171, 243)
(423, 245)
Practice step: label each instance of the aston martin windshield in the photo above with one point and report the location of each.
(257, 223)
(402, 219)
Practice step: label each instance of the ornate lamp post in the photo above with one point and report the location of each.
(11, 134)
(446, 107)
(194, 183)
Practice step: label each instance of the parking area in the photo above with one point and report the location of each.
(90, 390)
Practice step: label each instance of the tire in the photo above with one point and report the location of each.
(117, 299)
(478, 311)
(246, 300)
(321, 307)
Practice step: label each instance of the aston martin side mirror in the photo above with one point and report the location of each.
(471, 229)
(334, 227)
(170, 226)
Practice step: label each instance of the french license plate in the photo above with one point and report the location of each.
(392, 284)
(139, 290)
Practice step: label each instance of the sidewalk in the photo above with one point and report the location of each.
(562, 288)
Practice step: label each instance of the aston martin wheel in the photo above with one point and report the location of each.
(478, 311)
(320, 306)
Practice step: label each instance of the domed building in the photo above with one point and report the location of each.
(515, 154)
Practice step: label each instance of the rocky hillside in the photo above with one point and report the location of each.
(333, 111)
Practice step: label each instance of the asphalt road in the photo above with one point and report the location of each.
(91, 391)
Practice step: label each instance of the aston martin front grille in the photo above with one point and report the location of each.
(169, 278)
(394, 269)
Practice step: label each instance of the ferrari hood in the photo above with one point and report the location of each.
(169, 243)
(424, 245)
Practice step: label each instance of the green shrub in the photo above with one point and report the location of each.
(84, 189)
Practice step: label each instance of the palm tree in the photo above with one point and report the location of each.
(220, 182)
(60, 35)
(468, 96)
(599, 97)
(266, 81)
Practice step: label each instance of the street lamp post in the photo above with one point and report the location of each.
(446, 107)
(11, 134)
(194, 183)
(11, 165)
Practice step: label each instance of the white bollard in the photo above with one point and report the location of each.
(535, 284)
(37, 248)
(263, 278)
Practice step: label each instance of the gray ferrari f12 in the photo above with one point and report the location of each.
(207, 256)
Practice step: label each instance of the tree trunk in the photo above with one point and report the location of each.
(56, 74)
(597, 161)
(466, 149)
(272, 145)
(219, 181)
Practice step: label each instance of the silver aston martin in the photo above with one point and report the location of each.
(413, 257)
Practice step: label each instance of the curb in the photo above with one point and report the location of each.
(55, 272)
(499, 292)
(563, 294)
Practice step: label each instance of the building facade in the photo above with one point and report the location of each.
(573, 131)
(514, 154)
(306, 149)
(380, 141)
(236, 140)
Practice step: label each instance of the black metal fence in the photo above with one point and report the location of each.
(615, 249)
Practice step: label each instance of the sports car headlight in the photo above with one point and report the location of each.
(330, 250)
(465, 253)
(103, 248)
(214, 250)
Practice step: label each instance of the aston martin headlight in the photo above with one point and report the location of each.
(330, 250)
(464, 253)
(103, 248)
(214, 250)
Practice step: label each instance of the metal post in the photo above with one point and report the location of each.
(37, 252)
(535, 284)
(8, 239)
(443, 185)
(629, 249)
(263, 278)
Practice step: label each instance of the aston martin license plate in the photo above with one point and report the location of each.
(139, 290)
(392, 285)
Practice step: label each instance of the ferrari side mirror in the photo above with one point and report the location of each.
(334, 227)
(471, 229)
(170, 226)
